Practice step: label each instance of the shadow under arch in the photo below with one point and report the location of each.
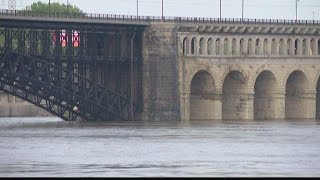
(235, 101)
(265, 100)
(202, 100)
(297, 102)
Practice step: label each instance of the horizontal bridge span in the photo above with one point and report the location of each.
(138, 20)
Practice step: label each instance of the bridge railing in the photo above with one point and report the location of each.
(147, 19)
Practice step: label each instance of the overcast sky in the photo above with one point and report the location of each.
(275, 9)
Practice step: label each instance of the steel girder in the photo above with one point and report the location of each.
(59, 90)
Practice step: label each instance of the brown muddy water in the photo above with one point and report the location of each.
(50, 147)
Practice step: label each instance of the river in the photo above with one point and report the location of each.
(50, 147)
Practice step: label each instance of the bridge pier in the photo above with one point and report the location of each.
(301, 106)
(236, 106)
(269, 106)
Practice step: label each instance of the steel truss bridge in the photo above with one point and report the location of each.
(74, 70)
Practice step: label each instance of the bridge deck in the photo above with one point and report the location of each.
(139, 20)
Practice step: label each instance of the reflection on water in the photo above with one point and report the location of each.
(51, 147)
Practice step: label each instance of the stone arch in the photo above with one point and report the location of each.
(234, 46)
(193, 45)
(242, 46)
(312, 47)
(227, 71)
(261, 69)
(296, 105)
(194, 70)
(273, 46)
(235, 101)
(289, 46)
(265, 46)
(201, 46)
(304, 47)
(285, 77)
(210, 46)
(185, 46)
(265, 100)
(202, 90)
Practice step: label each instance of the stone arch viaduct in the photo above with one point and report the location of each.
(249, 71)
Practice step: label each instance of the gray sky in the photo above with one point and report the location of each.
(266, 9)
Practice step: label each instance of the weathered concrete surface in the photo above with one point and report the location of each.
(160, 73)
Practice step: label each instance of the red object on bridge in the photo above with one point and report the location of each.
(64, 39)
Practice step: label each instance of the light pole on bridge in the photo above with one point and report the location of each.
(49, 7)
(162, 10)
(297, 9)
(220, 10)
(242, 9)
(137, 8)
(68, 7)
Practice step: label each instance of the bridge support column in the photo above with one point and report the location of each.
(198, 108)
(217, 102)
(280, 105)
(301, 106)
(236, 106)
(269, 106)
(185, 106)
(160, 77)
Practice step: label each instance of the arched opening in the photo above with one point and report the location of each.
(201, 96)
(281, 47)
(210, 46)
(226, 46)
(304, 47)
(265, 46)
(241, 46)
(274, 47)
(249, 48)
(312, 47)
(296, 102)
(202, 44)
(233, 49)
(193, 45)
(296, 42)
(265, 105)
(234, 102)
(257, 46)
(185, 45)
(289, 46)
(318, 100)
(218, 46)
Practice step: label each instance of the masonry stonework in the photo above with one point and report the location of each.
(160, 73)
(256, 72)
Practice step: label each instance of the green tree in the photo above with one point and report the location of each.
(55, 7)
